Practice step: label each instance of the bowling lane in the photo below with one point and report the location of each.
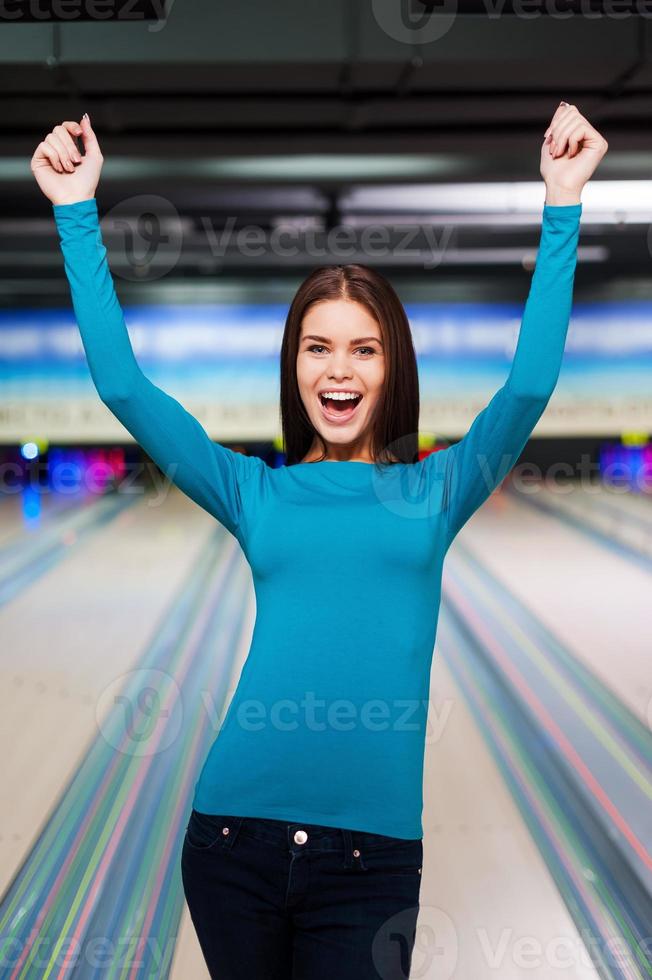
(80, 626)
(24, 515)
(487, 894)
(592, 597)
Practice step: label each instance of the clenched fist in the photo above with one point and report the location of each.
(571, 150)
(63, 175)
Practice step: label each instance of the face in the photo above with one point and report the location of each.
(340, 350)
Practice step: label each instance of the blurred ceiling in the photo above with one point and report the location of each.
(276, 115)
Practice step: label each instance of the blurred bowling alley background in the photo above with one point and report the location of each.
(245, 144)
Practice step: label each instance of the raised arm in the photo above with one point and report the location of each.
(209, 473)
(479, 462)
(206, 471)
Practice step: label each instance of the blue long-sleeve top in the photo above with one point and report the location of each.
(327, 724)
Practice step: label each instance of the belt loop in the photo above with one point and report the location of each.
(233, 824)
(348, 848)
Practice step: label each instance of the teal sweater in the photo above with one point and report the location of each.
(328, 721)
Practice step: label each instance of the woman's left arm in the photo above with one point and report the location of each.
(479, 462)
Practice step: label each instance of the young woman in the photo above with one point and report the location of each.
(302, 855)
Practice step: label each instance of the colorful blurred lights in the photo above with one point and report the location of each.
(29, 450)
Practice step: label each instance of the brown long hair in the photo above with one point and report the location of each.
(395, 420)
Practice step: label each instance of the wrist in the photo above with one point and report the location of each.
(73, 200)
(561, 196)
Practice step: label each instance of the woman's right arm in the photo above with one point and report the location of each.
(209, 473)
(206, 471)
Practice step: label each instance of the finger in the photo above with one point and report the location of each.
(64, 157)
(45, 152)
(69, 143)
(563, 123)
(574, 137)
(578, 131)
(89, 138)
(72, 127)
(567, 122)
(561, 132)
(571, 139)
(574, 141)
(562, 117)
(559, 112)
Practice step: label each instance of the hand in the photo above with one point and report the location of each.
(571, 151)
(63, 175)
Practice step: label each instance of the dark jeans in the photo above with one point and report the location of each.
(272, 900)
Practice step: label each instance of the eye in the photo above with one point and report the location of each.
(321, 347)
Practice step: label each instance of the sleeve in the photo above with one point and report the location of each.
(210, 474)
(480, 461)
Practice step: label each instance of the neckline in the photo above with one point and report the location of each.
(344, 462)
(317, 462)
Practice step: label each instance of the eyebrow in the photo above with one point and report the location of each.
(359, 340)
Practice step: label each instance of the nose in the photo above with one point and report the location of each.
(339, 369)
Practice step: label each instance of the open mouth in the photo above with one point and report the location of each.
(339, 409)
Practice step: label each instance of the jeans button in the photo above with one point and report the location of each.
(300, 837)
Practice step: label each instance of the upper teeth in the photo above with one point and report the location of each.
(340, 395)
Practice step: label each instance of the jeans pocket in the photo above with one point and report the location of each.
(204, 830)
(397, 857)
